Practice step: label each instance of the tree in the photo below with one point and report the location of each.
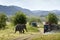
(52, 18)
(3, 19)
(34, 19)
(19, 18)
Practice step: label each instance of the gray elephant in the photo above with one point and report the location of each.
(20, 28)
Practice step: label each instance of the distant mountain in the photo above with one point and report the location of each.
(56, 12)
(40, 13)
(44, 13)
(10, 10)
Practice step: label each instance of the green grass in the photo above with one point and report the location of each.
(54, 36)
(8, 32)
(31, 28)
(48, 37)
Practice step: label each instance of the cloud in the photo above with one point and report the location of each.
(33, 4)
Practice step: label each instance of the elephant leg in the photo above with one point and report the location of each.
(26, 29)
(20, 31)
(23, 31)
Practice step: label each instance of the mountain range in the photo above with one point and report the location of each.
(10, 10)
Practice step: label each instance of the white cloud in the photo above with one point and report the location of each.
(34, 4)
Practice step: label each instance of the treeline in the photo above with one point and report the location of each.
(21, 18)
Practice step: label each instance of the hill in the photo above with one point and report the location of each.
(10, 10)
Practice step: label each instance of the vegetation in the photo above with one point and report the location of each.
(31, 28)
(8, 33)
(48, 37)
(19, 18)
(34, 19)
(52, 18)
(3, 19)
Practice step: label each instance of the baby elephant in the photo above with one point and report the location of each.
(20, 28)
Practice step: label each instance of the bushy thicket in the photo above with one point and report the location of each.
(19, 18)
(3, 19)
(52, 18)
(34, 19)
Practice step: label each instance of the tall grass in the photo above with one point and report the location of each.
(31, 28)
(48, 37)
(8, 32)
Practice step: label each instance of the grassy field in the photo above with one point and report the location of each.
(55, 36)
(8, 32)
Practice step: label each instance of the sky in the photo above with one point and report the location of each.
(33, 4)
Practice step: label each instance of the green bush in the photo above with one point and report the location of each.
(34, 19)
(3, 19)
(52, 18)
(19, 18)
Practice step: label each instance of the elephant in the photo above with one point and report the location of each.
(20, 28)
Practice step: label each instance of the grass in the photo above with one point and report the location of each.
(8, 32)
(31, 28)
(55, 36)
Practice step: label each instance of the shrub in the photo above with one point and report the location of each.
(34, 19)
(52, 18)
(3, 19)
(19, 18)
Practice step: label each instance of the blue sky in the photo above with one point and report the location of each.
(34, 4)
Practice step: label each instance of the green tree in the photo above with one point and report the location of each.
(19, 18)
(52, 18)
(34, 19)
(3, 19)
